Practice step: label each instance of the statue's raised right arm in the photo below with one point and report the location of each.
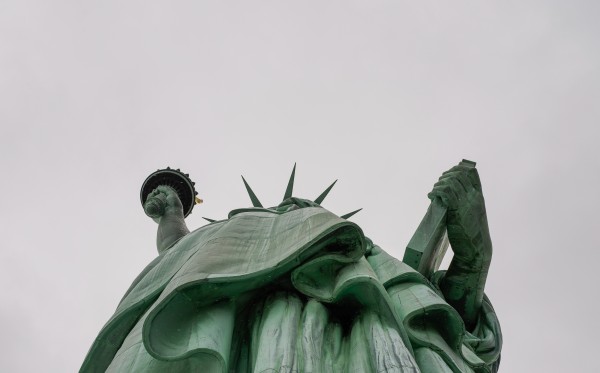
(459, 189)
(165, 208)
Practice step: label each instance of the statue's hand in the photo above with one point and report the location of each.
(459, 189)
(163, 201)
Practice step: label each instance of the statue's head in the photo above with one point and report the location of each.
(294, 203)
(289, 202)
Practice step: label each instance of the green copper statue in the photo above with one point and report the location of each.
(296, 288)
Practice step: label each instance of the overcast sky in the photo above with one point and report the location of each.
(382, 95)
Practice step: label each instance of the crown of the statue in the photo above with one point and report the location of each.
(288, 200)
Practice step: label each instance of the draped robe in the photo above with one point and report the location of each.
(300, 291)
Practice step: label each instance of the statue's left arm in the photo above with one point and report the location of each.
(459, 189)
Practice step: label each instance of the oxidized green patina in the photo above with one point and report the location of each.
(295, 288)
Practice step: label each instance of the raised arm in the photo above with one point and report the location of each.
(460, 190)
(165, 208)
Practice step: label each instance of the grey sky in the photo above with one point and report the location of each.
(382, 95)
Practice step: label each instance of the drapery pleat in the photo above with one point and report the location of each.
(256, 293)
(288, 333)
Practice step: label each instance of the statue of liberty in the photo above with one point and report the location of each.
(297, 288)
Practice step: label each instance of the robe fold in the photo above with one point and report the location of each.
(300, 291)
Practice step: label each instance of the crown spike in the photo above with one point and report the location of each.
(350, 214)
(209, 220)
(324, 194)
(253, 198)
(290, 186)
